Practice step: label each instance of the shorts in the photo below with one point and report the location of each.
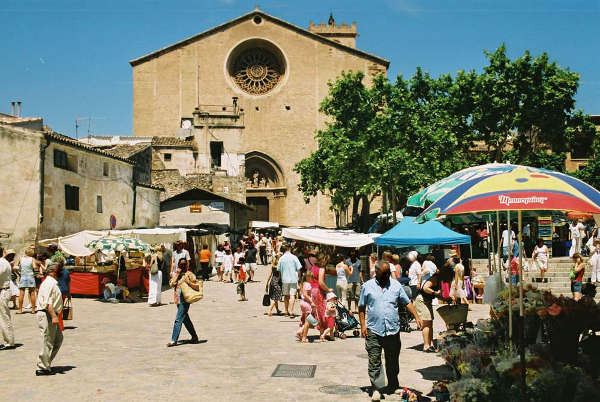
(305, 307)
(330, 322)
(576, 287)
(424, 308)
(289, 289)
(241, 288)
(353, 291)
(250, 266)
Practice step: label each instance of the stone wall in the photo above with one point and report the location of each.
(20, 193)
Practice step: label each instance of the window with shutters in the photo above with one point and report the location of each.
(71, 197)
(60, 159)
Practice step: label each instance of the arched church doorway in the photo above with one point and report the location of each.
(261, 208)
(265, 187)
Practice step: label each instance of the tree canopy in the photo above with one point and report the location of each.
(395, 138)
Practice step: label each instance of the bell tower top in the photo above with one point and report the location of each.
(343, 33)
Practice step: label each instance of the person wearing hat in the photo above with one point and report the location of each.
(110, 291)
(6, 326)
(49, 305)
(330, 313)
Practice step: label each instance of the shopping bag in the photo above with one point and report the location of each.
(190, 295)
(266, 300)
(67, 310)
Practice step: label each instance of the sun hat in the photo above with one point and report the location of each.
(10, 251)
(413, 255)
(453, 253)
(331, 295)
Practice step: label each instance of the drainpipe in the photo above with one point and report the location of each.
(42, 174)
(134, 199)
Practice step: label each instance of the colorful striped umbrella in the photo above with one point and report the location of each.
(119, 243)
(505, 187)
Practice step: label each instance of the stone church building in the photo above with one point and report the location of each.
(249, 91)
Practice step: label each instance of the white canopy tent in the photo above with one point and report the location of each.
(331, 237)
(74, 244)
(263, 225)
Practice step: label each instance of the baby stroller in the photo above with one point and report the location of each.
(404, 317)
(344, 321)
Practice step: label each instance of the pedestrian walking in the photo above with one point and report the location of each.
(204, 258)
(355, 280)
(251, 262)
(595, 262)
(6, 325)
(289, 265)
(155, 280)
(380, 298)
(219, 256)
(273, 287)
(183, 275)
(576, 276)
(27, 265)
(262, 249)
(49, 305)
(343, 271)
(166, 263)
(64, 284)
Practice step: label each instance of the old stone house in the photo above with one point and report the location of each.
(55, 185)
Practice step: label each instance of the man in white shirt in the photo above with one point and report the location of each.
(507, 241)
(6, 326)
(414, 273)
(595, 261)
(49, 305)
(178, 254)
(429, 268)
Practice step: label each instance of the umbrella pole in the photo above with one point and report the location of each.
(490, 240)
(510, 320)
(118, 254)
(498, 249)
(521, 313)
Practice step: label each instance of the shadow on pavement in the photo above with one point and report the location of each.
(15, 346)
(436, 373)
(62, 369)
(188, 342)
(70, 327)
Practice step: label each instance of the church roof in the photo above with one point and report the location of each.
(247, 16)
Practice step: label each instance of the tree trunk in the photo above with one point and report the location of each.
(393, 199)
(364, 213)
(355, 216)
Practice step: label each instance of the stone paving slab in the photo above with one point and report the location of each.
(118, 352)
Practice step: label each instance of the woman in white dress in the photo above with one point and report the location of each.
(540, 256)
(155, 282)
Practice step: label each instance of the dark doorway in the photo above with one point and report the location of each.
(261, 208)
(216, 150)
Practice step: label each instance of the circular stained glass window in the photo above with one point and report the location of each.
(256, 71)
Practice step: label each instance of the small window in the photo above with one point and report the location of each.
(60, 159)
(71, 198)
(105, 169)
(99, 204)
(167, 157)
(216, 150)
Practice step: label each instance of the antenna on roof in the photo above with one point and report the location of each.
(89, 129)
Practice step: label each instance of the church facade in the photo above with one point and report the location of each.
(249, 92)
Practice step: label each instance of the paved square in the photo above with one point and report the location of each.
(118, 352)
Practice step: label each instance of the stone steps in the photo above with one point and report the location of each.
(557, 275)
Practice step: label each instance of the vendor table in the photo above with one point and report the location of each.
(88, 283)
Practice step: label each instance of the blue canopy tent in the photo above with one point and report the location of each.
(410, 233)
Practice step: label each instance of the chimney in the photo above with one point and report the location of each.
(235, 103)
(12, 108)
(18, 108)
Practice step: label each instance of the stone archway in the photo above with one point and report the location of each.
(265, 186)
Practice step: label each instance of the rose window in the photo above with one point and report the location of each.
(256, 71)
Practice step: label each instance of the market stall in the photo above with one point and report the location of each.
(410, 233)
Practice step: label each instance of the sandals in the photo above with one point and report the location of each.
(430, 350)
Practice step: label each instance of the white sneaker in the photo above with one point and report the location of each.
(376, 396)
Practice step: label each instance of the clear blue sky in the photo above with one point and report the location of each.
(69, 58)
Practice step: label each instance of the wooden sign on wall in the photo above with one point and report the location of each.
(196, 208)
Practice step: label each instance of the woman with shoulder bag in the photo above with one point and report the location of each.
(180, 276)
(155, 280)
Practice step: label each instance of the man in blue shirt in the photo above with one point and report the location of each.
(381, 297)
(289, 265)
(354, 281)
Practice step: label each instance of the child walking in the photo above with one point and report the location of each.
(306, 306)
(330, 313)
(457, 289)
(241, 284)
(227, 266)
